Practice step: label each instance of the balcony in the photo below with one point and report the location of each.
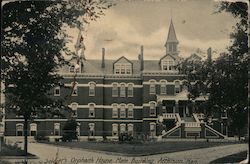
(192, 124)
(169, 116)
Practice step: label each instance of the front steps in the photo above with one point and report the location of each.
(192, 127)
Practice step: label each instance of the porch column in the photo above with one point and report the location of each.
(176, 106)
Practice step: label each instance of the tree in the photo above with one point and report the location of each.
(33, 48)
(70, 130)
(226, 78)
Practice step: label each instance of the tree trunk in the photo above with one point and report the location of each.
(239, 134)
(26, 139)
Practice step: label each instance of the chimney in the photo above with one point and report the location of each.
(103, 57)
(209, 54)
(141, 59)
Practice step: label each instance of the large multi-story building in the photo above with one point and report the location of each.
(145, 98)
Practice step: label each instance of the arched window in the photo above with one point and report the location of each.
(57, 91)
(57, 129)
(115, 129)
(122, 128)
(130, 110)
(163, 88)
(114, 90)
(92, 88)
(91, 129)
(123, 90)
(130, 90)
(130, 129)
(115, 110)
(74, 107)
(33, 129)
(152, 129)
(152, 108)
(177, 87)
(72, 69)
(91, 110)
(152, 87)
(122, 111)
(19, 129)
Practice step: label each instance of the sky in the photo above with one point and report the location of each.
(132, 23)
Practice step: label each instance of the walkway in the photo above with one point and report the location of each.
(47, 155)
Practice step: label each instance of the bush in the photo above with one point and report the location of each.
(41, 137)
(69, 131)
(125, 137)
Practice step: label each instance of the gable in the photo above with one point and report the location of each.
(123, 60)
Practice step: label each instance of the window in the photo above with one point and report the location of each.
(78, 129)
(115, 129)
(74, 107)
(91, 110)
(19, 129)
(152, 109)
(152, 129)
(92, 89)
(91, 129)
(115, 90)
(130, 111)
(130, 90)
(74, 91)
(123, 90)
(122, 69)
(177, 87)
(57, 129)
(130, 129)
(115, 111)
(122, 111)
(152, 87)
(33, 129)
(168, 64)
(122, 128)
(163, 87)
(72, 69)
(57, 91)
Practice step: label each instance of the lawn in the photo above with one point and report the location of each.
(235, 158)
(8, 150)
(148, 148)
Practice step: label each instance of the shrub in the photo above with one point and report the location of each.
(69, 131)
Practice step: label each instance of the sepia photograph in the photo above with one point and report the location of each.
(124, 82)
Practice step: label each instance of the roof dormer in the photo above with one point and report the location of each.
(123, 66)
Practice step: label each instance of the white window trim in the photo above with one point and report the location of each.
(163, 83)
(125, 129)
(89, 110)
(127, 66)
(124, 111)
(132, 131)
(59, 89)
(19, 124)
(71, 106)
(152, 82)
(92, 94)
(117, 109)
(55, 125)
(115, 95)
(150, 108)
(122, 94)
(33, 125)
(131, 110)
(132, 90)
(115, 125)
(175, 86)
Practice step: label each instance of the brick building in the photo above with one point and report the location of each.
(146, 98)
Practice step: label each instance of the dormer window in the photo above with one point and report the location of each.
(168, 64)
(123, 66)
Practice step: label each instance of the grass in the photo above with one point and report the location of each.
(235, 158)
(148, 148)
(8, 150)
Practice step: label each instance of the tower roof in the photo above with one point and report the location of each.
(171, 34)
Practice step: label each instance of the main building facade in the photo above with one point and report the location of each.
(145, 98)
